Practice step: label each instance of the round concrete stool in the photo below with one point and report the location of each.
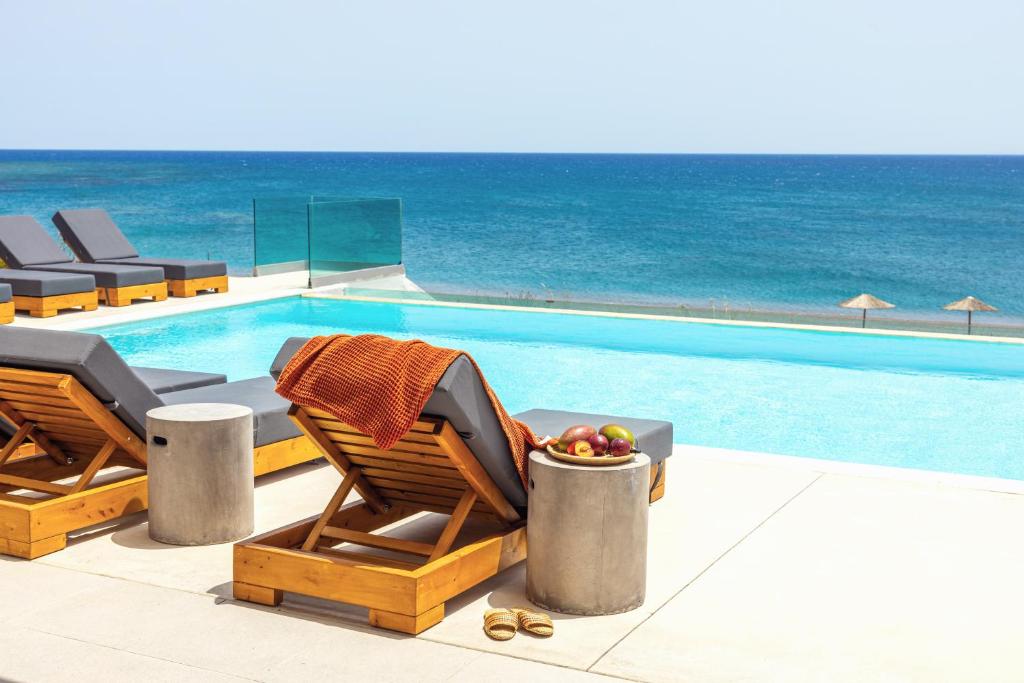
(200, 473)
(586, 535)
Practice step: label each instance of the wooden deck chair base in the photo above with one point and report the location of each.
(123, 296)
(189, 288)
(49, 306)
(72, 464)
(33, 527)
(401, 596)
(6, 312)
(429, 470)
(658, 481)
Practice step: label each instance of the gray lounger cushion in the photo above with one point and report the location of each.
(42, 283)
(90, 359)
(653, 437)
(270, 412)
(288, 349)
(163, 381)
(5, 293)
(176, 269)
(94, 237)
(107, 275)
(460, 398)
(23, 242)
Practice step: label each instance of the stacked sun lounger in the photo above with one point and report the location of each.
(95, 238)
(42, 294)
(25, 245)
(44, 279)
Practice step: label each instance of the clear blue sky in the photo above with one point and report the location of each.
(900, 76)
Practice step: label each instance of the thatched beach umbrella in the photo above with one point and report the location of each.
(865, 302)
(969, 304)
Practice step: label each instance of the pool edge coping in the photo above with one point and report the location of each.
(974, 482)
(314, 294)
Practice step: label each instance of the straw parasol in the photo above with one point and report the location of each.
(865, 302)
(969, 304)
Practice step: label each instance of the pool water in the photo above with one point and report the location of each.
(936, 404)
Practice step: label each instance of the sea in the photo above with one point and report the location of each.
(766, 232)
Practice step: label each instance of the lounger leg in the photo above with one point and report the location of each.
(90, 307)
(43, 312)
(33, 549)
(658, 481)
(261, 595)
(406, 623)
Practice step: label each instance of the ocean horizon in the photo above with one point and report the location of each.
(767, 232)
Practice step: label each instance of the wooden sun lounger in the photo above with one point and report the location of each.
(72, 463)
(95, 238)
(430, 469)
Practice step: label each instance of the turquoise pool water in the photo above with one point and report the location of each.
(946, 405)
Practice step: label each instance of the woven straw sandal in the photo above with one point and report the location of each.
(500, 624)
(537, 623)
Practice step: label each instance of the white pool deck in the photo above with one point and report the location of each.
(760, 568)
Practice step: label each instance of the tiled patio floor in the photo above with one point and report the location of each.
(768, 570)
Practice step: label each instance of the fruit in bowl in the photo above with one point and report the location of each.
(585, 441)
(574, 434)
(619, 447)
(599, 442)
(613, 431)
(581, 448)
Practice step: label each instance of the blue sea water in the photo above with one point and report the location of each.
(797, 232)
(937, 404)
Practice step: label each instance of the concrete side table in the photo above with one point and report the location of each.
(587, 535)
(200, 473)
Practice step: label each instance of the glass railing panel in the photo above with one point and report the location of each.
(352, 234)
(280, 234)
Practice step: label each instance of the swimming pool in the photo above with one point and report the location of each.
(936, 404)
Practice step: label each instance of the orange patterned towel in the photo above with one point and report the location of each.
(379, 386)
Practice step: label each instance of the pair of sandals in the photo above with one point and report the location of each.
(502, 624)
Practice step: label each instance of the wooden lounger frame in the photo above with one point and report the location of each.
(123, 296)
(48, 306)
(191, 287)
(429, 469)
(6, 312)
(64, 432)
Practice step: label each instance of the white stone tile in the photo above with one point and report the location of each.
(26, 587)
(27, 655)
(242, 639)
(125, 550)
(855, 580)
(489, 668)
(708, 507)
